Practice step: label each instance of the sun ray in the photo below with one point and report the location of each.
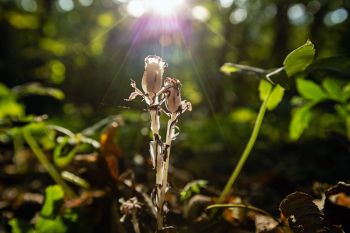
(202, 86)
(108, 29)
(115, 76)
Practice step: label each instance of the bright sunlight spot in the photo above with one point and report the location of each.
(164, 7)
(137, 8)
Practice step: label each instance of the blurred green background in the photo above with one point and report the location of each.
(88, 50)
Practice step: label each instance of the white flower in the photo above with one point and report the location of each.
(153, 75)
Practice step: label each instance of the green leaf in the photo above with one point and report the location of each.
(334, 89)
(37, 89)
(299, 59)
(62, 158)
(300, 121)
(51, 225)
(275, 97)
(191, 188)
(264, 89)
(19, 226)
(10, 108)
(310, 90)
(229, 68)
(53, 200)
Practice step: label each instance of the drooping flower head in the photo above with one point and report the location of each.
(153, 75)
(173, 95)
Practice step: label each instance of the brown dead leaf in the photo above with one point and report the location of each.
(337, 205)
(110, 150)
(303, 215)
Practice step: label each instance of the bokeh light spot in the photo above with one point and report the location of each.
(200, 13)
(225, 3)
(297, 14)
(29, 5)
(66, 5)
(238, 16)
(105, 20)
(313, 6)
(86, 3)
(335, 17)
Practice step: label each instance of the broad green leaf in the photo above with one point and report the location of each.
(53, 200)
(300, 121)
(276, 97)
(264, 89)
(299, 59)
(229, 68)
(334, 89)
(310, 90)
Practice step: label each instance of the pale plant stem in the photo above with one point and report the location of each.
(46, 163)
(135, 223)
(169, 138)
(155, 126)
(248, 148)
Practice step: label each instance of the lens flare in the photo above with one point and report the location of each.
(164, 7)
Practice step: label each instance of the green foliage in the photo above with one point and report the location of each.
(310, 90)
(38, 89)
(299, 59)
(53, 201)
(62, 159)
(53, 217)
(9, 107)
(300, 121)
(19, 226)
(192, 188)
(264, 90)
(334, 89)
(312, 94)
(275, 97)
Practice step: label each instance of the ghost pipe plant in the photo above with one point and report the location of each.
(155, 94)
